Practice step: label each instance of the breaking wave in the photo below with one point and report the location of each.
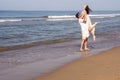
(54, 17)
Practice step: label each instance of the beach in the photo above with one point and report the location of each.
(41, 40)
(34, 44)
(102, 66)
(28, 64)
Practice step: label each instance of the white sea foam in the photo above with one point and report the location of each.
(10, 20)
(104, 15)
(72, 17)
(92, 15)
(59, 17)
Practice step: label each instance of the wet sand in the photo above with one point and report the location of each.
(102, 66)
(30, 62)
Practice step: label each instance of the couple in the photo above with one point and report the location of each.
(86, 26)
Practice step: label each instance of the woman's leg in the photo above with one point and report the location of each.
(93, 34)
(92, 30)
(86, 44)
(81, 44)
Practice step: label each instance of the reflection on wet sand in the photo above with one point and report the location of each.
(84, 54)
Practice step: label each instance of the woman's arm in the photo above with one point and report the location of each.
(84, 16)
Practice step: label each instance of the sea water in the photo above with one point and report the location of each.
(23, 29)
(27, 27)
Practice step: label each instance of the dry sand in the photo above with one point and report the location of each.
(102, 66)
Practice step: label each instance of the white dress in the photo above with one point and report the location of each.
(84, 29)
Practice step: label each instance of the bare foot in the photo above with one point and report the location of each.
(87, 49)
(94, 25)
(81, 50)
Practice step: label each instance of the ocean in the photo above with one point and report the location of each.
(30, 36)
(29, 27)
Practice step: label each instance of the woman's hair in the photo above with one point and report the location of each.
(88, 10)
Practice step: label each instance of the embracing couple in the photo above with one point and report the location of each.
(86, 26)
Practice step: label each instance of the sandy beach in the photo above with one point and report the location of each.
(102, 66)
(44, 60)
(44, 45)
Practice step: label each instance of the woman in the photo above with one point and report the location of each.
(91, 27)
(86, 27)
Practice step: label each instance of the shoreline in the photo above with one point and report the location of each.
(22, 46)
(29, 63)
(30, 49)
(102, 66)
